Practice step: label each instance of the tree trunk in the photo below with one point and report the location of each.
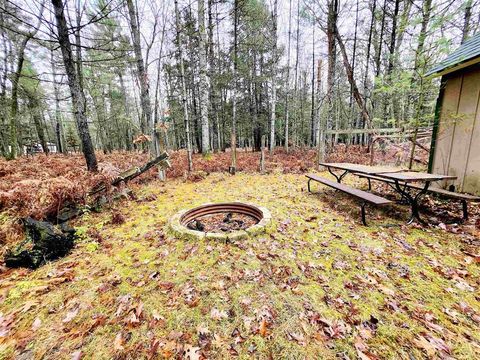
(14, 141)
(203, 85)
(348, 69)
(78, 96)
(274, 77)
(184, 88)
(312, 113)
(331, 37)
(33, 104)
(142, 74)
(59, 132)
(297, 60)
(287, 87)
(233, 141)
(378, 55)
(466, 20)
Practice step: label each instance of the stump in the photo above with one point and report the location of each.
(43, 242)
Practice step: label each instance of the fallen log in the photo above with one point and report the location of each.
(134, 172)
(70, 212)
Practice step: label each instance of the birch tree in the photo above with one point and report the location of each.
(203, 71)
(274, 77)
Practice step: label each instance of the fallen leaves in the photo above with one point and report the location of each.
(216, 314)
(71, 314)
(432, 345)
(119, 342)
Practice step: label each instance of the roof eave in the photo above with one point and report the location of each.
(453, 68)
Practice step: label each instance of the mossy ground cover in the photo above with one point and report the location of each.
(317, 285)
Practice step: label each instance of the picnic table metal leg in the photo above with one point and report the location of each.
(364, 221)
(465, 210)
(413, 200)
(339, 178)
(309, 185)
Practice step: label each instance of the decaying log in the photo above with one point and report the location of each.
(70, 212)
(132, 173)
(43, 242)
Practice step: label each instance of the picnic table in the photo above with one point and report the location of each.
(400, 178)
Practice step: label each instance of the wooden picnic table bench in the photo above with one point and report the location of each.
(464, 198)
(364, 196)
(398, 177)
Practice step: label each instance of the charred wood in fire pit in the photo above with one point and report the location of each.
(196, 225)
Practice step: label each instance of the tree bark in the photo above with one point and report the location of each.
(59, 132)
(203, 85)
(14, 141)
(274, 77)
(287, 87)
(142, 74)
(184, 88)
(331, 37)
(348, 69)
(33, 104)
(466, 20)
(78, 96)
(233, 141)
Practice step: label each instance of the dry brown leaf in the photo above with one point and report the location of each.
(70, 315)
(216, 314)
(119, 342)
(262, 330)
(36, 324)
(77, 355)
(191, 353)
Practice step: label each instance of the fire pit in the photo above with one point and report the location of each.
(222, 221)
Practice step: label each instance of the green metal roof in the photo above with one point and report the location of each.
(469, 50)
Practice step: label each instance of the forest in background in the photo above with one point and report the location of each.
(210, 75)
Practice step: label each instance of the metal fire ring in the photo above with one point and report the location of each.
(178, 223)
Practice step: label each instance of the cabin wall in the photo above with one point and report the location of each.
(457, 146)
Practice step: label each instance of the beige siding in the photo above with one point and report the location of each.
(457, 151)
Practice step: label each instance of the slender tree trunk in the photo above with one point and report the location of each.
(321, 122)
(78, 42)
(367, 65)
(287, 87)
(297, 61)
(233, 145)
(78, 96)
(391, 61)
(184, 88)
(312, 113)
(33, 104)
(354, 57)
(59, 131)
(348, 69)
(203, 84)
(14, 141)
(274, 77)
(378, 55)
(331, 37)
(466, 20)
(212, 68)
(142, 74)
(160, 135)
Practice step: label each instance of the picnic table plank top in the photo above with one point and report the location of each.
(364, 169)
(412, 176)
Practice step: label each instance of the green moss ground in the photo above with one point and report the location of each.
(317, 285)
